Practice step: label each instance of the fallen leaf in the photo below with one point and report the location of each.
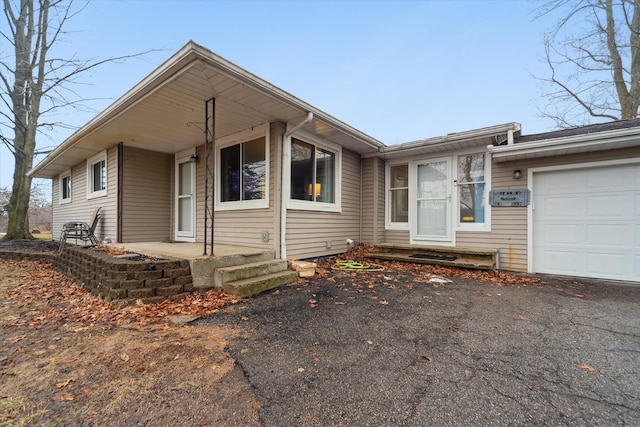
(200, 366)
(124, 357)
(244, 351)
(65, 383)
(300, 369)
(16, 338)
(521, 317)
(586, 367)
(67, 396)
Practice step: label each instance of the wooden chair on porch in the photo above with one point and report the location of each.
(80, 231)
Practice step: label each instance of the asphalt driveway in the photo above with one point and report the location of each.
(393, 349)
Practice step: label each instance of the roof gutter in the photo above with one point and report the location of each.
(442, 142)
(233, 71)
(556, 144)
(286, 182)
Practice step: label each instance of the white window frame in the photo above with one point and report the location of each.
(101, 156)
(309, 205)
(472, 226)
(62, 199)
(390, 225)
(235, 139)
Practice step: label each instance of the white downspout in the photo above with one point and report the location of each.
(286, 182)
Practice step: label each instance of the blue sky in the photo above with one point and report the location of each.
(397, 70)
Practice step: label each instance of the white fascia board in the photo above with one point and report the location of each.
(140, 91)
(445, 140)
(188, 56)
(601, 139)
(240, 74)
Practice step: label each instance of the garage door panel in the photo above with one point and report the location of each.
(605, 178)
(561, 234)
(562, 262)
(606, 206)
(561, 182)
(611, 265)
(608, 236)
(586, 222)
(562, 207)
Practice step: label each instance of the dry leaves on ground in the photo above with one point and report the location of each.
(52, 297)
(359, 252)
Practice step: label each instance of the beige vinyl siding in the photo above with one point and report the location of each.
(373, 213)
(398, 237)
(368, 218)
(309, 231)
(146, 196)
(380, 214)
(509, 225)
(81, 208)
(243, 227)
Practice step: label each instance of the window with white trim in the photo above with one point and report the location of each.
(65, 187)
(243, 178)
(471, 185)
(315, 176)
(398, 196)
(243, 170)
(97, 175)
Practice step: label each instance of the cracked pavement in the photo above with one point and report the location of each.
(397, 352)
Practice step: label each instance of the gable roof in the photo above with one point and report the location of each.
(165, 112)
(597, 137)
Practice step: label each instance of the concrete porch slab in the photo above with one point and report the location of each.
(188, 251)
(203, 267)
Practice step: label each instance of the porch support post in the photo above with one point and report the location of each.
(209, 173)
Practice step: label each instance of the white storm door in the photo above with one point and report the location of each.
(185, 200)
(432, 206)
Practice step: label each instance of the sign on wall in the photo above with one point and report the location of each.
(512, 197)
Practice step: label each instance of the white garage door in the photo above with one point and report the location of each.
(586, 222)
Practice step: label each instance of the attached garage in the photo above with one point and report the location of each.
(586, 221)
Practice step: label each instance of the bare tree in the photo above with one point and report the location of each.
(35, 84)
(593, 57)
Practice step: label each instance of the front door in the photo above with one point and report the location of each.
(432, 201)
(185, 199)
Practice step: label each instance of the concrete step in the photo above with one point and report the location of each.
(255, 285)
(448, 256)
(246, 271)
(203, 268)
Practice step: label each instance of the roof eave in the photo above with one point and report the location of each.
(189, 55)
(566, 145)
(446, 141)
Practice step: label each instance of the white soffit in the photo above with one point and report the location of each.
(165, 112)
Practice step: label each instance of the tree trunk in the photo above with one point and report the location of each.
(18, 226)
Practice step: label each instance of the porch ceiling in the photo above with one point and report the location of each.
(166, 112)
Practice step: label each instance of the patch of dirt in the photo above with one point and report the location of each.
(69, 358)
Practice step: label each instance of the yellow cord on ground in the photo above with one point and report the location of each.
(350, 265)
